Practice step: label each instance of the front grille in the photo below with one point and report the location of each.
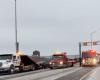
(0, 64)
(56, 63)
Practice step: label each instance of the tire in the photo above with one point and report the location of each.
(21, 68)
(12, 69)
(32, 68)
(72, 65)
(51, 68)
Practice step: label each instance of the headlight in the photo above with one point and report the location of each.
(83, 61)
(61, 62)
(94, 61)
(50, 63)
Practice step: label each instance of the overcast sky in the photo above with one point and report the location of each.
(48, 25)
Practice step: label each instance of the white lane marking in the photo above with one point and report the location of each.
(82, 78)
(95, 74)
(60, 75)
(42, 75)
(86, 76)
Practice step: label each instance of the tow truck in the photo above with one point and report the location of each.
(12, 63)
(60, 60)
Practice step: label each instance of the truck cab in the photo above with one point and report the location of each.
(12, 63)
(8, 63)
(60, 60)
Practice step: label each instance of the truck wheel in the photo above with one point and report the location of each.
(32, 68)
(51, 68)
(72, 65)
(21, 68)
(12, 70)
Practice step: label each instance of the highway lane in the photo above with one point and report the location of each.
(93, 75)
(72, 73)
(4, 76)
(76, 75)
(44, 75)
(81, 74)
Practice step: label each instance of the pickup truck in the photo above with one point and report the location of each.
(11, 63)
(60, 60)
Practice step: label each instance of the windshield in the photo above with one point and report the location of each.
(5, 57)
(57, 57)
(14, 57)
(88, 55)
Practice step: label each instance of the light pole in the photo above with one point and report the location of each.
(16, 41)
(91, 35)
(80, 54)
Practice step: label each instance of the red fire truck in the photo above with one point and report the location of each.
(59, 60)
(89, 58)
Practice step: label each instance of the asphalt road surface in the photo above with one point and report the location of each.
(72, 73)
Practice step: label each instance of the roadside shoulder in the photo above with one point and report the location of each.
(92, 75)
